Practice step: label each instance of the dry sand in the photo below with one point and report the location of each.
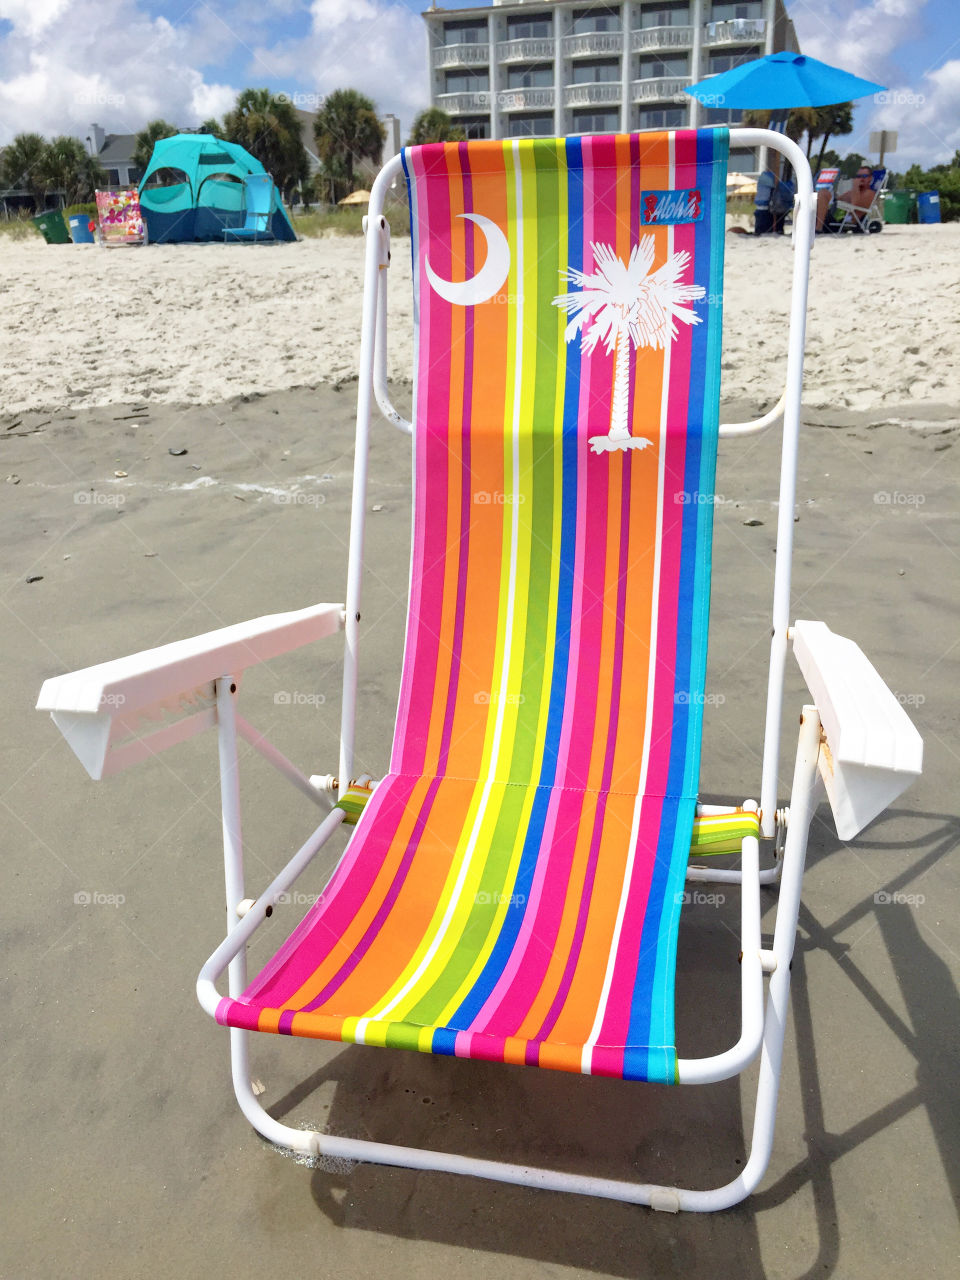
(197, 324)
(123, 1153)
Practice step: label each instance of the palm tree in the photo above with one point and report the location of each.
(347, 131)
(832, 122)
(268, 126)
(22, 166)
(626, 304)
(213, 127)
(143, 149)
(67, 167)
(434, 125)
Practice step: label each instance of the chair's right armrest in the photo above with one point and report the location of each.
(872, 752)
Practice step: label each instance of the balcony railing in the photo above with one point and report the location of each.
(461, 55)
(735, 31)
(525, 99)
(592, 95)
(593, 42)
(662, 89)
(661, 38)
(530, 50)
(456, 103)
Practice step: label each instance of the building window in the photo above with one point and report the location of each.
(662, 118)
(665, 14)
(586, 21)
(113, 177)
(530, 77)
(652, 68)
(596, 71)
(134, 175)
(714, 116)
(465, 33)
(727, 12)
(530, 125)
(596, 121)
(536, 27)
(474, 126)
(742, 162)
(466, 82)
(732, 58)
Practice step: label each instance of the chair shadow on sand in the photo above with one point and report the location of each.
(692, 1137)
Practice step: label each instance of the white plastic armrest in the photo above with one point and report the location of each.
(872, 751)
(171, 689)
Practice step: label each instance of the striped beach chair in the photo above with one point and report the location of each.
(513, 886)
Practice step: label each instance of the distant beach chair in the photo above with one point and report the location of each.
(513, 887)
(120, 218)
(259, 195)
(860, 207)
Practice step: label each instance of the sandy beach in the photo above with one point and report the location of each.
(124, 1153)
(197, 324)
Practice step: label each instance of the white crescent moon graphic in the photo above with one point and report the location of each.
(488, 280)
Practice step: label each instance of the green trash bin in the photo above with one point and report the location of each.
(52, 227)
(900, 207)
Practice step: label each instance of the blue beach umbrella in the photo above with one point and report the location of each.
(781, 81)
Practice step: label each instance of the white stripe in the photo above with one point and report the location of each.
(381, 1014)
(586, 1060)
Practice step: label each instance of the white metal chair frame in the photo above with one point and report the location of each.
(855, 738)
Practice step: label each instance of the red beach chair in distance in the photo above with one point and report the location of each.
(513, 886)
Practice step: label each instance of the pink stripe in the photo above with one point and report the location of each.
(425, 619)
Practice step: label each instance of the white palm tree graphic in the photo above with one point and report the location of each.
(625, 303)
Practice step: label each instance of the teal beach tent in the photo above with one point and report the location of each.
(193, 189)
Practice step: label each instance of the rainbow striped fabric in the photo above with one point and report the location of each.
(512, 890)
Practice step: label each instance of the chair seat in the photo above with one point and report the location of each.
(494, 921)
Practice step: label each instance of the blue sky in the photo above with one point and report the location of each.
(65, 63)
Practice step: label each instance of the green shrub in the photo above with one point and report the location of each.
(348, 221)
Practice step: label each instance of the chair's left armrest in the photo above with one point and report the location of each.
(172, 685)
(872, 752)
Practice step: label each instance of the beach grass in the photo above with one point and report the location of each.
(348, 222)
(18, 229)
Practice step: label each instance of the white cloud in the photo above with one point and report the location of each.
(926, 117)
(862, 37)
(375, 46)
(69, 62)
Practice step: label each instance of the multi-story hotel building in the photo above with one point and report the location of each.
(522, 68)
